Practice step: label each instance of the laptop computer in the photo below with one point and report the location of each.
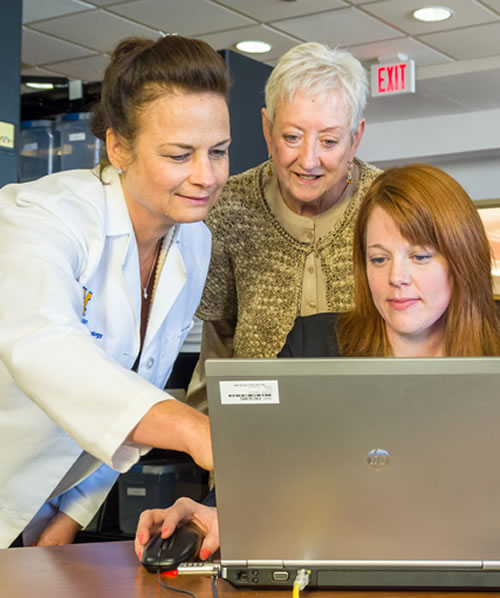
(370, 473)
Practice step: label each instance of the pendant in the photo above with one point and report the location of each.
(145, 293)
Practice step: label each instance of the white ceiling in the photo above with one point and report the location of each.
(458, 60)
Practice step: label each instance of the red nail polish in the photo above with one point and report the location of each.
(204, 554)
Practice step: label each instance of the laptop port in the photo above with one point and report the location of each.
(280, 575)
(243, 575)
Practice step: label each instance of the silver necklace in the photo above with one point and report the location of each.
(169, 239)
(145, 289)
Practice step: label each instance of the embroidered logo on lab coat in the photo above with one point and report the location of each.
(87, 296)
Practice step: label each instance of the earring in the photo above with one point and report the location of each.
(270, 166)
(118, 170)
(349, 173)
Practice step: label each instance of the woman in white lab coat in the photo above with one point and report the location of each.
(100, 274)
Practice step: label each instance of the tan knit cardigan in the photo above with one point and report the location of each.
(256, 270)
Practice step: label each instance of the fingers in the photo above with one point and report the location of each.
(206, 519)
(166, 520)
(210, 544)
(150, 523)
(182, 510)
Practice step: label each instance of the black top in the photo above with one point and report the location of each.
(312, 336)
(210, 500)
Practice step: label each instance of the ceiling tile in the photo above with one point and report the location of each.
(106, 2)
(36, 10)
(405, 106)
(493, 4)
(38, 48)
(271, 10)
(94, 29)
(87, 69)
(399, 13)
(186, 17)
(280, 42)
(38, 71)
(471, 92)
(471, 42)
(342, 27)
(417, 51)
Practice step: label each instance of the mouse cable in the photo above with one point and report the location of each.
(215, 594)
(167, 587)
(301, 581)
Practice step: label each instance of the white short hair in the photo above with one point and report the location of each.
(314, 69)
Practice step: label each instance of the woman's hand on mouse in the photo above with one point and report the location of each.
(165, 521)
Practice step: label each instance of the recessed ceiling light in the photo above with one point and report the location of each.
(253, 47)
(432, 14)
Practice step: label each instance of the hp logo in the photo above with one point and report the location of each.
(378, 459)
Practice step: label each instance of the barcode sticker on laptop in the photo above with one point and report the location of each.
(246, 392)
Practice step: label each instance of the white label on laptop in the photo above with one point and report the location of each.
(245, 392)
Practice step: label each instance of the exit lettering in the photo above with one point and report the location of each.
(388, 79)
(391, 78)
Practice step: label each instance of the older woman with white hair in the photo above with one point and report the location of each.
(282, 231)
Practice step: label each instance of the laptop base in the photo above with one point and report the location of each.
(351, 578)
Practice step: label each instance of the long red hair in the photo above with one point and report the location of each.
(429, 208)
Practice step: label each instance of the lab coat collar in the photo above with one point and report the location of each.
(119, 222)
(174, 273)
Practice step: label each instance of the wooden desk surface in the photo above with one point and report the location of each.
(111, 570)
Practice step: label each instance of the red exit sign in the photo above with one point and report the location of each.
(391, 78)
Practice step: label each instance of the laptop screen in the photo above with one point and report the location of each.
(356, 460)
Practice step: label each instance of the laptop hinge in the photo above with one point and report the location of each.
(227, 563)
(251, 563)
(387, 564)
(364, 564)
(263, 563)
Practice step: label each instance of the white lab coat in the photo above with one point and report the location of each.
(70, 332)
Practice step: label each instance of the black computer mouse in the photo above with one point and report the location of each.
(168, 553)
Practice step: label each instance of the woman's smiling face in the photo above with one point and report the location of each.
(311, 146)
(179, 164)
